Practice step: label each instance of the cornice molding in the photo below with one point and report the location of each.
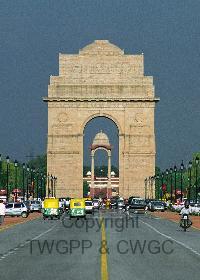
(66, 99)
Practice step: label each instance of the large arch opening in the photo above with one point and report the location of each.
(100, 157)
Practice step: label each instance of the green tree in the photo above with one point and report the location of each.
(195, 170)
(11, 175)
(39, 163)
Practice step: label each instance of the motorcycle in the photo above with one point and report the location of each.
(127, 207)
(126, 210)
(185, 222)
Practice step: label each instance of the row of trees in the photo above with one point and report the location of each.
(187, 176)
(39, 165)
(17, 174)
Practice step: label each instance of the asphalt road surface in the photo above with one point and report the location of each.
(109, 245)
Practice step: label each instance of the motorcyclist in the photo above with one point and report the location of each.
(186, 210)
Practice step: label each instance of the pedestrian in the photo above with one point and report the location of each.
(2, 212)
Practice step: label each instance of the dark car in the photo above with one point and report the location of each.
(165, 205)
(131, 198)
(138, 205)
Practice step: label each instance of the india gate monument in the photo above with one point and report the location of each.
(101, 81)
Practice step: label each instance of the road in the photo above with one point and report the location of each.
(109, 245)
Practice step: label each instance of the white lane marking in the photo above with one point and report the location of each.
(43, 233)
(13, 251)
(169, 237)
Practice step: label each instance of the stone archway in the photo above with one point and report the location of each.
(101, 81)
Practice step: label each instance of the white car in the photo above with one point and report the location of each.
(89, 207)
(196, 209)
(17, 209)
(35, 205)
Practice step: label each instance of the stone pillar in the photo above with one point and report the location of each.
(109, 172)
(152, 187)
(145, 187)
(92, 169)
(149, 188)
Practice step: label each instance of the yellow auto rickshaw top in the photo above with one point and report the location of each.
(51, 203)
(77, 203)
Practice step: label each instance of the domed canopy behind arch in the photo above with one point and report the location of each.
(101, 140)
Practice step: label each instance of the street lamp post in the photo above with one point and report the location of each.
(33, 180)
(41, 185)
(175, 170)
(48, 178)
(167, 173)
(0, 169)
(145, 186)
(56, 185)
(27, 183)
(149, 187)
(162, 181)
(37, 183)
(7, 175)
(52, 186)
(157, 177)
(171, 191)
(196, 181)
(16, 165)
(190, 180)
(23, 166)
(44, 187)
(152, 184)
(182, 167)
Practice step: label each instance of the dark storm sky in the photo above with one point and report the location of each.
(32, 33)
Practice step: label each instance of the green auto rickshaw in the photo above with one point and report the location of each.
(51, 208)
(77, 208)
